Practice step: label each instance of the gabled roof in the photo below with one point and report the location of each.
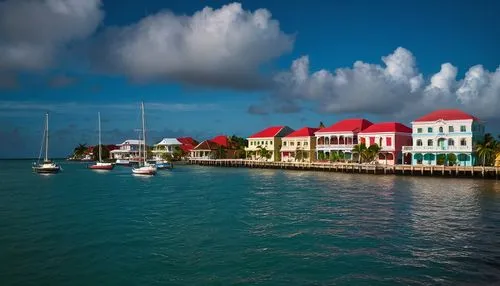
(354, 125)
(446, 114)
(387, 127)
(207, 145)
(186, 147)
(273, 131)
(303, 132)
(169, 141)
(221, 140)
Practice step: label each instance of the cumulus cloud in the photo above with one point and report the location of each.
(214, 47)
(394, 88)
(32, 31)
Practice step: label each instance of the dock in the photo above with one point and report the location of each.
(376, 169)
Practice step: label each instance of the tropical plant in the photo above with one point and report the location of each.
(372, 152)
(221, 152)
(487, 149)
(264, 153)
(360, 149)
(321, 125)
(167, 156)
(334, 157)
(299, 155)
(452, 159)
(95, 152)
(79, 150)
(178, 153)
(321, 156)
(366, 154)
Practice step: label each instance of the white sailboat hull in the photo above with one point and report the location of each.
(145, 170)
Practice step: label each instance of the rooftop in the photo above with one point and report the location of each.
(354, 125)
(446, 114)
(303, 132)
(272, 131)
(169, 141)
(387, 127)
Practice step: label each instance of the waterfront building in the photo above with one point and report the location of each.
(165, 146)
(267, 141)
(340, 138)
(127, 150)
(219, 147)
(445, 137)
(299, 146)
(390, 137)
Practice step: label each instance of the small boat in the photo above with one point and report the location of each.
(125, 162)
(100, 165)
(163, 164)
(47, 166)
(144, 168)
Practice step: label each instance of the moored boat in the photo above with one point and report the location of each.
(100, 165)
(47, 166)
(144, 168)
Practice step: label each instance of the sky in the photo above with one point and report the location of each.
(205, 68)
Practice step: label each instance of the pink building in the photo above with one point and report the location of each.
(391, 137)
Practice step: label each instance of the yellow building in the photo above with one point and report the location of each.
(267, 142)
(299, 146)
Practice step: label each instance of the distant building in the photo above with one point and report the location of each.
(218, 147)
(127, 150)
(165, 146)
(299, 145)
(497, 160)
(340, 138)
(269, 140)
(390, 137)
(445, 137)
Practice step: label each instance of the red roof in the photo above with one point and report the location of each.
(186, 147)
(348, 125)
(446, 114)
(187, 140)
(221, 140)
(207, 145)
(387, 127)
(272, 131)
(304, 132)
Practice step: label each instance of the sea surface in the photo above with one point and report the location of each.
(221, 226)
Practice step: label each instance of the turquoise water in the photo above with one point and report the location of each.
(220, 226)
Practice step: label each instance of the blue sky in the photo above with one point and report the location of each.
(236, 69)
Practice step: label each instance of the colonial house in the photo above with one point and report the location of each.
(299, 145)
(127, 150)
(218, 147)
(188, 144)
(165, 146)
(445, 137)
(339, 138)
(267, 141)
(390, 137)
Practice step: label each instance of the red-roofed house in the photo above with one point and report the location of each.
(299, 145)
(446, 136)
(391, 137)
(268, 141)
(218, 147)
(340, 138)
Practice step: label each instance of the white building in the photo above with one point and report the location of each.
(445, 137)
(128, 150)
(299, 146)
(165, 146)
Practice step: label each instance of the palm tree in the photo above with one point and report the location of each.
(361, 150)
(299, 156)
(79, 151)
(321, 125)
(372, 152)
(263, 152)
(487, 148)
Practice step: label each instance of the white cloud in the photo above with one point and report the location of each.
(32, 31)
(395, 88)
(215, 47)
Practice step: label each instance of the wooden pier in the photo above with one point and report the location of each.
(377, 169)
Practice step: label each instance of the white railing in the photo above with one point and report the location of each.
(335, 146)
(437, 148)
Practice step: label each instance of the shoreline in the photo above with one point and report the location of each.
(374, 169)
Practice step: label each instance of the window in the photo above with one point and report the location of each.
(463, 142)
(388, 141)
(463, 129)
(292, 144)
(284, 143)
(451, 142)
(419, 130)
(306, 143)
(429, 142)
(419, 142)
(270, 142)
(298, 143)
(429, 129)
(372, 140)
(441, 129)
(450, 129)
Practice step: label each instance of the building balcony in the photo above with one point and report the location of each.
(437, 149)
(294, 148)
(322, 147)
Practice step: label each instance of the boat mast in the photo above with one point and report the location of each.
(100, 148)
(46, 136)
(143, 132)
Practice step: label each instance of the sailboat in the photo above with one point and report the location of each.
(47, 166)
(100, 165)
(144, 167)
